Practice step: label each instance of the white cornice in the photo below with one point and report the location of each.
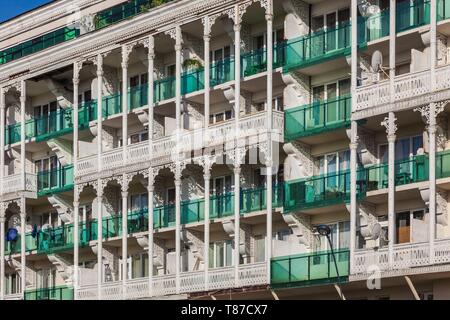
(42, 16)
(109, 38)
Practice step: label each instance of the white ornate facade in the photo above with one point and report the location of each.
(141, 137)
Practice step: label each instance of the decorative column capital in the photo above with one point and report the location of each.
(390, 125)
(77, 66)
(237, 170)
(125, 181)
(353, 145)
(126, 51)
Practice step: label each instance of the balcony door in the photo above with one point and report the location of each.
(46, 118)
(220, 70)
(411, 227)
(47, 171)
(333, 110)
(221, 254)
(222, 203)
(45, 278)
(330, 166)
(328, 36)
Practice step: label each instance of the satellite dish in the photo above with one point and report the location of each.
(377, 61)
(376, 231)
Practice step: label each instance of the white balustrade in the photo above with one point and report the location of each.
(14, 296)
(220, 278)
(405, 256)
(406, 86)
(250, 125)
(13, 183)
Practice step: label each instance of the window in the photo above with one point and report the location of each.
(46, 278)
(333, 162)
(220, 116)
(138, 201)
(222, 185)
(220, 54)
(171, 70)
(404, 222)
(330, 20)
(12, 283)
(331, 90)
(50, 219)
(138, 80)
(220, 254)
(85, 212)
(340, 237)
(47, 164)
(404, 148)
(260, 42)
(260, 248)
(135, 138)
(277, 104)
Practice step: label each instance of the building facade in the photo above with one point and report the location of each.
(258, 149)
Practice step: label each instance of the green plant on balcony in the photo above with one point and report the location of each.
(192, 64)
(145, 8)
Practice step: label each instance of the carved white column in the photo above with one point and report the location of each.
(150, 189)
(392, 44)
(237, 67)
(177, 226)
(2, 138)
(433, 42)
(178, 47)
(99, 238)
(150, 44)
(391, 128)
(23, 217)
(237, 219)
(99, 62)
(23, 99)
(269, 160)
(207, 39)
(76, 240)
(353, 201)
(2, 249)
(125, 183)
(207, 163)
(76, 196)
(429, 114)
(126, 51)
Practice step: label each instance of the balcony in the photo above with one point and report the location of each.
(254, 274)
(406, 257)
(13, 184)
(38, 44)
(55, 181)
(310, 269)
(410, 90)
(318, 47)
(412, 15)
(411, 170)
(318, 117)
(13, 247)
(322, 190)
(123, 11)
(55, 293)
(250, 126)
(51, 240)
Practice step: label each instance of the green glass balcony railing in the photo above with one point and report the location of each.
(412, 14)
(138, 96)
(222, 71)
(443, 9)
(164, 216)
(164, 89)
(138, 221)
(111, 105)
(126, 10)
(310, 269)
(323, 190)
(192, 211)
(318, 47)
(255, 199)
(54, 181)
(412, 170)
(55, 293)
(12, 247)
(38, 44)
(221, 205)
(318, 117)
(61, 238)
(255, 61)
(192, 81)
(373, 27)
(52, 125)
(443, 164)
